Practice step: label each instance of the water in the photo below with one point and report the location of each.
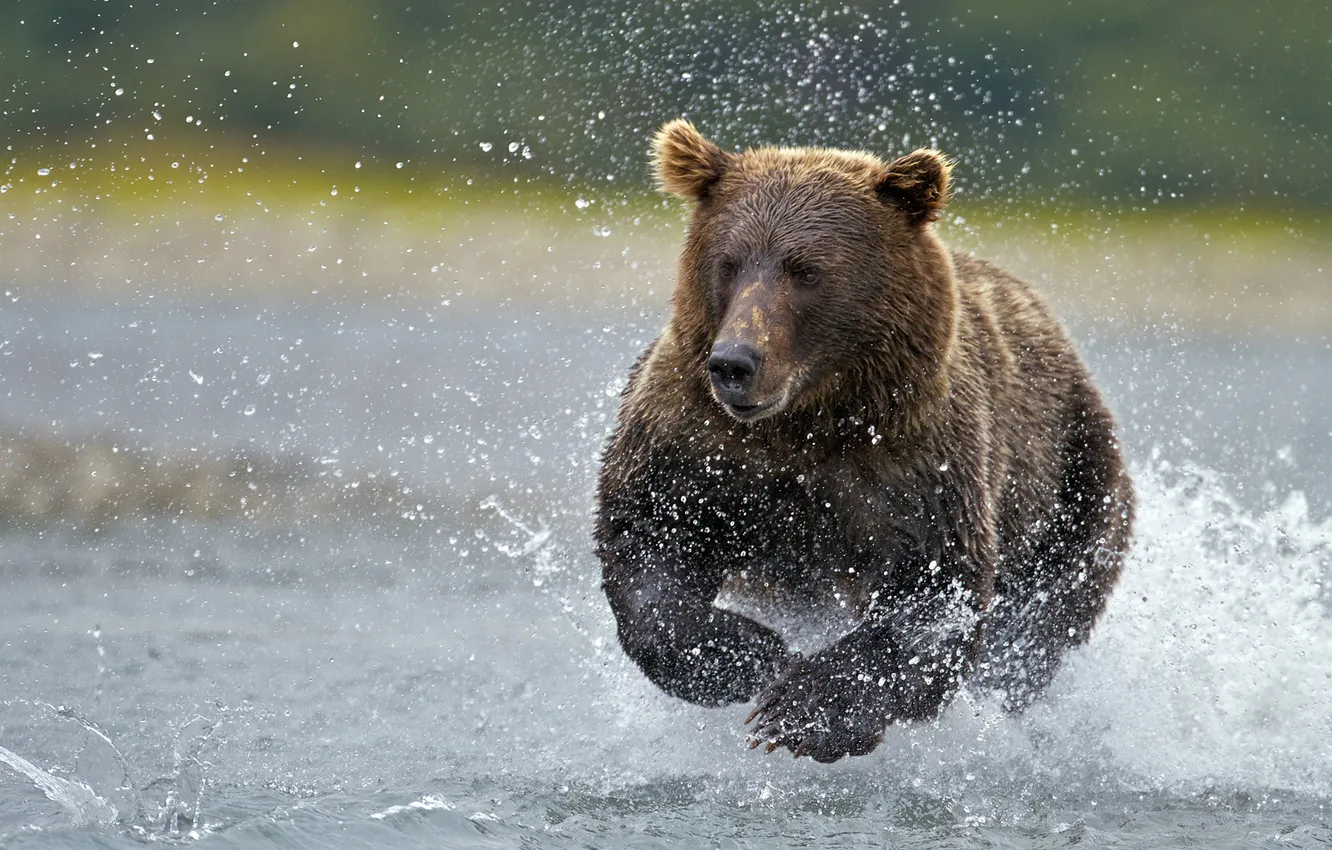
(365, 611)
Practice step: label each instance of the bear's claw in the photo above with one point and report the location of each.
(815, 709)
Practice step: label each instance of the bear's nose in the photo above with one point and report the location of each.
(733, 365)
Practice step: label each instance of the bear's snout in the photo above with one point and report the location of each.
(733, 366)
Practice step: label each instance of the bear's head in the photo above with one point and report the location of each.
(811, 279)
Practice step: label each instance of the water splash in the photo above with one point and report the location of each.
(536, 538)
(1213, 663)
(101, 765)
(101, 789)
(554, 571)
(184, 802)
(84, 806)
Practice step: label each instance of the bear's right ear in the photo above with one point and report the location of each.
(917, 184)
(687, 164)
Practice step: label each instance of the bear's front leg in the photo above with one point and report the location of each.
(688, 647)
(838, 702)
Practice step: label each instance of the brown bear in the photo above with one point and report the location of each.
(841, 408)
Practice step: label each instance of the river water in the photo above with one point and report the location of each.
(312, 577)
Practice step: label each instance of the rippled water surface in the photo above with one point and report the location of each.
(323, 578)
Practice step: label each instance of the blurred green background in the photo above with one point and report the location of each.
(1120, 102)
(1194, 135)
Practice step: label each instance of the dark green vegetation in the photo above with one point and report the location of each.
(1126, 103)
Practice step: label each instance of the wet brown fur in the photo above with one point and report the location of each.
(942, 464)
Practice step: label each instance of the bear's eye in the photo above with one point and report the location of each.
(805, 275)
(727, 270)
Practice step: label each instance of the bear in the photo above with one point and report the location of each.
(841, 411)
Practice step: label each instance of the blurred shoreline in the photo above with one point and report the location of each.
(466, 246)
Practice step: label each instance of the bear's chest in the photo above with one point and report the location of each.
(811, 537)
(787, 565)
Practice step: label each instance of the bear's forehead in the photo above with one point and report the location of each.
(861, 170)
(776, 197)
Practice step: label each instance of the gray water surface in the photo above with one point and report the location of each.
(382, 624)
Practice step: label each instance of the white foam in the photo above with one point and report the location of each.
(428, 803)
(1213, 663)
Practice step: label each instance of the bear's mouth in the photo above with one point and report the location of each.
(748, 412)
(743, 408)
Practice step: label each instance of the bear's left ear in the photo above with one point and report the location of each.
(917, 184)
(687, 164)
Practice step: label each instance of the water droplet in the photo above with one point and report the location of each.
(486, 146)
(249, 410)
(42, 172)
